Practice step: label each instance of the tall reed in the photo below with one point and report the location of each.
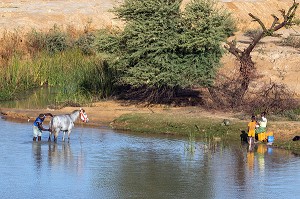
(15, 78)
(72, 72)
(55, 59)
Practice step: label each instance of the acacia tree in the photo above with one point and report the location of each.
(163, 49)
(247, 67)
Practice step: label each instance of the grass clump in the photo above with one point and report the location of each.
(293, 41)
(294, 146)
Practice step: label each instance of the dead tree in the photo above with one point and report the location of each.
(247, 68)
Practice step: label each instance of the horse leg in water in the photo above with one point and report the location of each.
(49, 139)
(64, 136)
(56, 131)
(69, 131)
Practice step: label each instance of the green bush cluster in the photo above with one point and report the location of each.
(56, 40)
(164, 49)
(86, 43)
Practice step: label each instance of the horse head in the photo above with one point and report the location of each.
(83, 116)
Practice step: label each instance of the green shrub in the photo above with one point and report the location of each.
(56, 40)
(86, 43)
(35, 42)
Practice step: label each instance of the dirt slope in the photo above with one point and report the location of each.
(43, 14)
(273, 61)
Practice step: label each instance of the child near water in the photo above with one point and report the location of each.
(251, 130)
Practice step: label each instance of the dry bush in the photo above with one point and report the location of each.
(56, 39)
(152, 95)
(11, 43)
(273, 97)
(293, 41)
(252, 33)
(223, 93)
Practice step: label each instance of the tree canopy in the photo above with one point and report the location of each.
(164, 48)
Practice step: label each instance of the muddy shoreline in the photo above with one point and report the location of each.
(102, 114)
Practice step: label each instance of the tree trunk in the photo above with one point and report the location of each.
(247, 74)
(247, 68)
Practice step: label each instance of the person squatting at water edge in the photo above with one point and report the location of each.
(38, 126)
(251, 130)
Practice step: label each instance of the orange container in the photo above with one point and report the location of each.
(262, 137)
(269, 134)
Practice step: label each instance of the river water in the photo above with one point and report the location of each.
(101, 163)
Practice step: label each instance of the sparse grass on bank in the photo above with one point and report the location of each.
(200, 127)
(289, 145)
(293, 41)
(178, 124)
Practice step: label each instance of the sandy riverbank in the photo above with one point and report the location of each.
(100, 114)
(104, 112)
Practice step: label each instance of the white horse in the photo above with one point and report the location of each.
(65, 123)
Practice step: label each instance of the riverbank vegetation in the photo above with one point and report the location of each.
(182, 125)
(158, 56)
(55, 59)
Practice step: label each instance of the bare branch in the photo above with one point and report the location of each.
(259, 21)
(292, 9)
(257, 38)
(276, 19)
(233, 49)
(283, 14)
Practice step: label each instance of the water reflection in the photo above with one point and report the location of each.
(160, 175)
(56, 156)
(106, 164)
(32, 99)
(37, 155)
(261, 150)
(250, 158)
(258, 152)
(60, 154)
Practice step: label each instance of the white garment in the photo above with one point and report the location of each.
(263, 122)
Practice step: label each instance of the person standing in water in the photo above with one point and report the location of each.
(251, 130)
(38, 126)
